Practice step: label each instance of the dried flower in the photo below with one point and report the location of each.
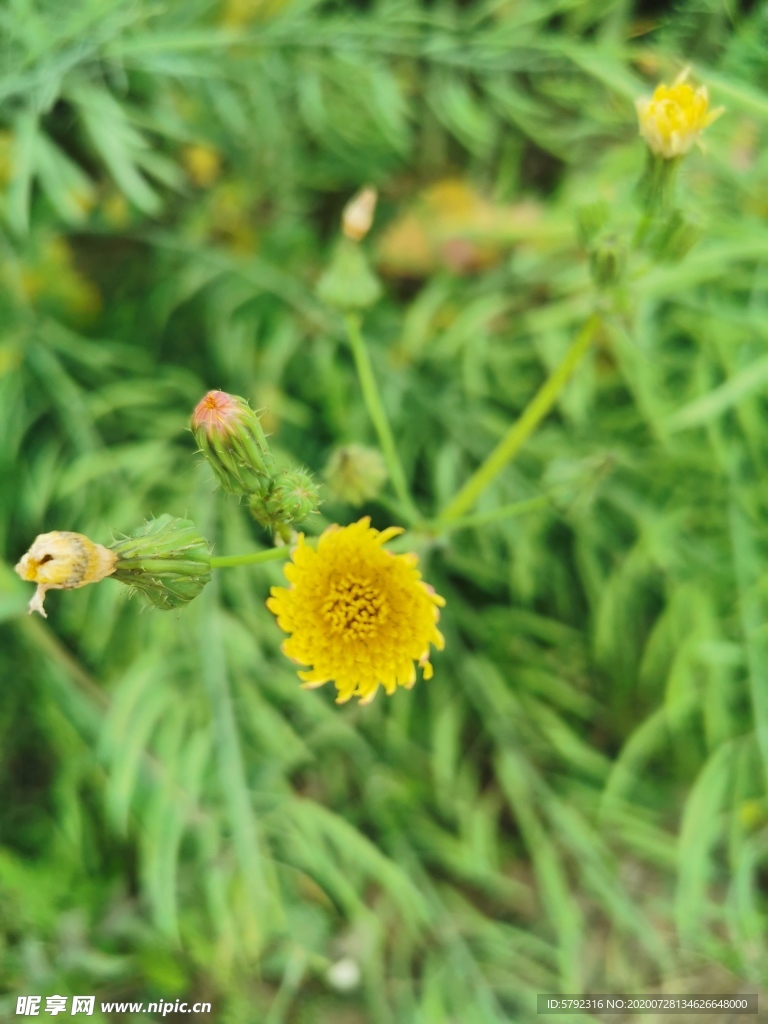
(357, 217)
(672, 120)
(166, 559)
(61, 560)
(357, 614)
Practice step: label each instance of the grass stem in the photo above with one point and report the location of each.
(522, 428)
(376, 411)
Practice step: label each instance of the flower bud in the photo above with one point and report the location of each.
(591, 219)
(355, 474)
(673, 240)
(202, 164)
(349, 283)
(607, 260)
(166, 559)
(63, 561)
(229, 435)
(357, 217)
(672, 120)
(292, 496)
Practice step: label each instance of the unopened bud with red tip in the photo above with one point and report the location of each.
(229, 435)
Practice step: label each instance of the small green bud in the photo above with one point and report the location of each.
(349, 283)
(355, 474)
(673, 240)
(607, 260)
(291, 497)
(229, 435)
(590, 221)
(166, 559)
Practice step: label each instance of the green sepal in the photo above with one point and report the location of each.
(166, 560)
(290, 498)
(349, 283)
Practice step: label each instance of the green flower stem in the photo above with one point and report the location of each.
(522, 428)
(255, 558)
(378, 416)
(518, 508)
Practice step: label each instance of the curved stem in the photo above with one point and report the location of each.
(522, 428)
(255, 558)
(518, 508)
(378, 415)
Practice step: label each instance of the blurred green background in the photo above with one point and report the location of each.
(577, 800)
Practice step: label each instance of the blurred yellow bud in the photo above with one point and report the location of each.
(237, 13)
(357, 218)
(115, 210)
(63, 561)
(202, 164)
(672, 120)
(752, 813)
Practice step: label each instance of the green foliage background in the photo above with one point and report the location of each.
(577, 800)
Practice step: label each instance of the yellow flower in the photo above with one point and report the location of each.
(202, 164)
(63, 561)
(358, 614)
(674, 117)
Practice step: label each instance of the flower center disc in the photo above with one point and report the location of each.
(353, 607)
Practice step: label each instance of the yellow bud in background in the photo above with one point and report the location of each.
(672, 120)
(202, 164)
(357, 218)
(63, 561)
(752, 813)
(115, 210)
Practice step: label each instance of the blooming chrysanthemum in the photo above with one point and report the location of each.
(357, 614)
(674, 117)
